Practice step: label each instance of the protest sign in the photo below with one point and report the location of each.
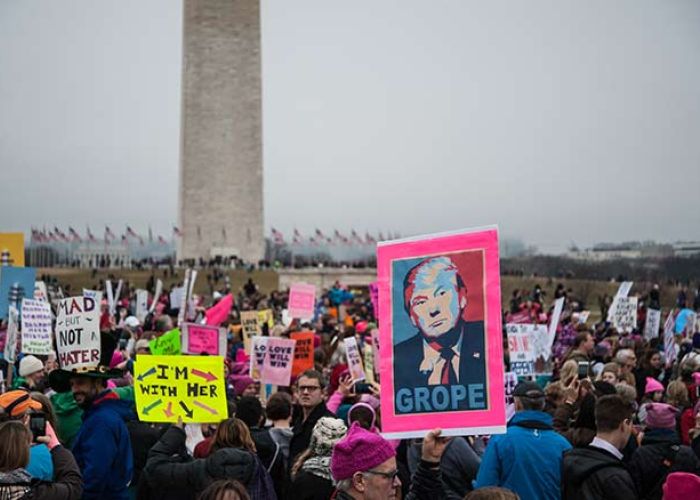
(689, 329)
(511, 380)
(12, 249)
(303, 352)
(545, 350)
(455, 275)
(40, 292)
(368, 361)
(375, 349)
(521, 317)
(78, 333)
(250, 328)
(302, 300)
(521, 348)
(265, 317)
(257, 357)
(279, 358)
(156, 296)
(141, 304)
(168, 344)
(286, 318)
(16, 283)
(203, 339)
(583, 317)
(176, 296)
(94, 295)
(111, 306)
(625, 317)
(669, 340)
(218, 313)
(622, 292)
(10, 352)
(169, 387)
(118, 293)
(354, 357)
(374, 297)
(184, 297)
(36, 327)
(652, 324)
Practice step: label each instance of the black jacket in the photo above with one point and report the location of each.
(593, 474)
(472, 362)
(270, 454)
(307, 486)
(660, 454)
(302, 429)
(143, 436)
(67, 483)
(170, 473)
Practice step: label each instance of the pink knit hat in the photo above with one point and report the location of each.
(661, 416)
(359, 451)
(653, 385)
(681, 486)
(241, 383)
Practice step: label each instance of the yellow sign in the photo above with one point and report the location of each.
(12, 249)
(265, 316)
(191, 387)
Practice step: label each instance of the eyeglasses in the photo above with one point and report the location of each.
(308, 388)
(389, 475)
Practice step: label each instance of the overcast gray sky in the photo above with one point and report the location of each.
(557, 120)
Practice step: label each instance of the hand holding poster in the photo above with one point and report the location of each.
(521, 348)
(277, 366)
(168, 344)
(78, 333)
(669, 340)
(36, 327)
(303, 352)
(302, 300)
(621, 293)
(545, 350)
(169, 387)
(10, 352)
(40, 291)
(625, 316)
(203, 339)
(156, 296)
(265, 317)
(352, 352)
(141, 304)
(441, 339)
(652, 324)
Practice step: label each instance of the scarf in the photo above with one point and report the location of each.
(14, 484)
(319, 466)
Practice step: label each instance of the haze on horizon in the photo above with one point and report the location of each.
(559, 121)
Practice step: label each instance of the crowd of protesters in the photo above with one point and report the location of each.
(626, 427)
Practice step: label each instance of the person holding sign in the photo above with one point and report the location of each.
(102, 447)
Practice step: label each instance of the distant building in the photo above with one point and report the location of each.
(686, 248)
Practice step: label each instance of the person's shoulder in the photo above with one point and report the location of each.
(414, 342)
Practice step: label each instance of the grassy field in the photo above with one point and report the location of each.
(587, 290)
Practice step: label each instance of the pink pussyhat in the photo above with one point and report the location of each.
(359, 451)
(681, 486)
(653, 385)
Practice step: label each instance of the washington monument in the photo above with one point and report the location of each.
(221, 183)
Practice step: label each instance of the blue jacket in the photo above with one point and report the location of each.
(40, 463)
(102, 448)
(526, 459)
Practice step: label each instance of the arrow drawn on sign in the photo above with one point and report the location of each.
(188, 412)
(169, 410)
(148, 408)
(209, 376)
(205, 407)
(146, 374)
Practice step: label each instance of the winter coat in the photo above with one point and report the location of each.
(308, 486)
(282, 436)
(172, 474)
(66, 486)
(660, 454)
(40, 463)
(69, 417)
(102, 448)
(591, 473)
(426, 484)
(143, 436)
(459, 466)
(526, 459)
(271, 457)
(562, 419)
(302, 429)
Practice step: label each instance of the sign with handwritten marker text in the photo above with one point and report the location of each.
(201, 339)
(277, 366)
(168, 344)
(302, 298)
(191, 387)
(303, 352)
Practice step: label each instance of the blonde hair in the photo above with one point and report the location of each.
(233, 433)
(677, 394)
(15, 439)
(613, 368)
(569, 371)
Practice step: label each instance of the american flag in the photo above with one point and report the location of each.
(369, 239)
(91, 237)
(297, 237)
(109, 235)
(131, 232)
(277, 237)
(162, 241)
(356, 237)
(74, 234)
(177, 232)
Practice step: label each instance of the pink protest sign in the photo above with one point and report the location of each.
(279, 358)
(352, 353)
(441, 352)
(302, 299)
(201, 339)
